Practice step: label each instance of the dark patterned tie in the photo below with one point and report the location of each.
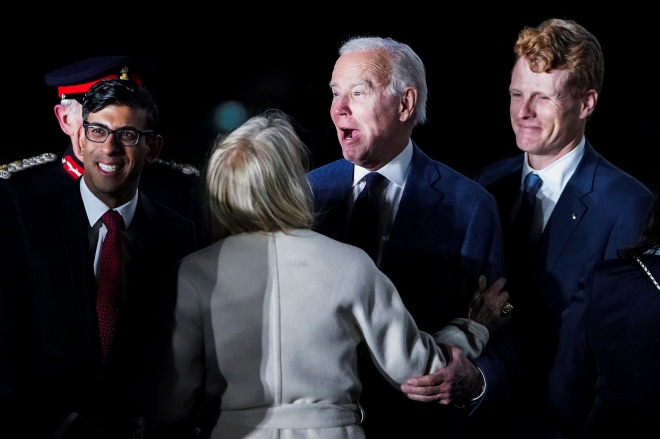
(363, 225)
(521, 228)
(110, 279)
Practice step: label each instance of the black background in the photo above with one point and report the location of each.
(282, 57)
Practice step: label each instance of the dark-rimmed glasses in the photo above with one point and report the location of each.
(123, 136)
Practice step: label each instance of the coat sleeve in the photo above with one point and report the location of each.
(399, 349)
(629, 223)
(471, 337)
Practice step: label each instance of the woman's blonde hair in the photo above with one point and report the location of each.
(256, 179)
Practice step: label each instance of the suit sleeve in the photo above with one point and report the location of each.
(573, 375)
(628, 225)
(483, 254)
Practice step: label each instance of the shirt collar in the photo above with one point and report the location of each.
(95, 208)
(395, 171)
(556, 176)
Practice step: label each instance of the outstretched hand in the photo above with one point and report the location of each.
(486, 305)
(457, 382)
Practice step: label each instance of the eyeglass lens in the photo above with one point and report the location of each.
(123, 136)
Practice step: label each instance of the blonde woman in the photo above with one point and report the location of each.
(268, 319)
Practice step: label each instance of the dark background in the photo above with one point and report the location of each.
(278, 58)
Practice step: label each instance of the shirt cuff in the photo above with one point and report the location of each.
(479, 396)
(483, 388)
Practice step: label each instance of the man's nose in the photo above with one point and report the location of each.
(340, 106)
(526, 109)
(111, 146)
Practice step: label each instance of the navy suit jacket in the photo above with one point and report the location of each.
(53, 341)
(605, 377)
(445, 234)
(601, 210)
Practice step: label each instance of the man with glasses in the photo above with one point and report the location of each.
(175, 185)
(97, 252)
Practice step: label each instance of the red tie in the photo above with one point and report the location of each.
(109, 279)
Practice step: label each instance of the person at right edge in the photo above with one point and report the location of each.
(562, 204)
(605, 377)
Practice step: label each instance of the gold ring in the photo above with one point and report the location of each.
(507, 309)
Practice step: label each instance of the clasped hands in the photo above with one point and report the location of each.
(460, 380)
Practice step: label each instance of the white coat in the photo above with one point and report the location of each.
(271, 324)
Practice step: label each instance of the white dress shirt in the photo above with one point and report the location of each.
(389, 193)
(95, 209)
(555, 177)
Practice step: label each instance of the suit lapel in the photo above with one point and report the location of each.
(73, 226)
(568, 212)
(419, 201)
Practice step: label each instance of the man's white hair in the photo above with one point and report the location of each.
(407, 68)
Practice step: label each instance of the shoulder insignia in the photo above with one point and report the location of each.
(7, 170)
(186, 169)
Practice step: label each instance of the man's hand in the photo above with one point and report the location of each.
(457, 382)
(486, 306)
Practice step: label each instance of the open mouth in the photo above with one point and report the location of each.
(349, 133)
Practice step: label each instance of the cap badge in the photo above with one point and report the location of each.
(123, 74)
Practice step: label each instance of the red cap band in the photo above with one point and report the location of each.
(84, 88)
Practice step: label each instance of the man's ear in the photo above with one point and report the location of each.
(155, 145)
(588, 103)
(69, 126)
(407, 104)
(79, 143)
(65, 119)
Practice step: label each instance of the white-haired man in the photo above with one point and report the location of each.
(434, 232)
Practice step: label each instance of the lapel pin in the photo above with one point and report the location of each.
(574, 216)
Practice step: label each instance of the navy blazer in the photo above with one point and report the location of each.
(57, 366)
(445, 234)
(601, 210)
(605, 377)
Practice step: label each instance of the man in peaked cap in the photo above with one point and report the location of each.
(175, 185)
